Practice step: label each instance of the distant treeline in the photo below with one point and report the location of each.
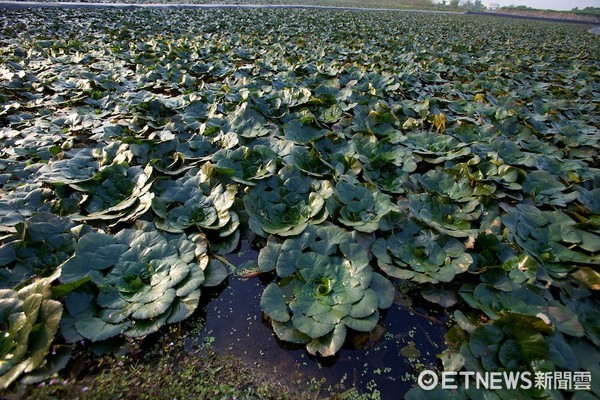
(588, 13)
(594, 11)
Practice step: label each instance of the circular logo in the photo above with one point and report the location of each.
(427, 380)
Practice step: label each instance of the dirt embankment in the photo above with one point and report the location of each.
(549, 14)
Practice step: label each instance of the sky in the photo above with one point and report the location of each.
(549, 4)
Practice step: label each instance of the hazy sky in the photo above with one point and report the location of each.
(549, 4)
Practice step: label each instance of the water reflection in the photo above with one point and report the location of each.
(385, 360)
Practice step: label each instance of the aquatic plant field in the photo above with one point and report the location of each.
(359, 195)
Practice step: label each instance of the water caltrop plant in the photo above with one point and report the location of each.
(135, 282)
(195, 200)
(287, 203)
(359, 207)
(421, 255)
(326, 285)
(37, 248)
(30, 319)
(399, 151)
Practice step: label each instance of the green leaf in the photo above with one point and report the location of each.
(80, 304)
(445, 298)
(464, 322)
(273, 303)
(510, 354)
(561, 354)
(191, 282)
(297, 132)
(142, 327)
(286, 264)
(286, 331)
(565, 320)
(40, 340)
(156, 307)
(215, 273)
(310, 326)
(362, 324)
(366, 306)
(384, 289)
(95, 329)
(329, 344)
(184, 307)
(12, 374)
(7, 254)
(587, 275)
(268, 256)
(485, 338)
(95, 251)
(64, 289)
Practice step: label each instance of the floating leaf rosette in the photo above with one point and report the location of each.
(175, 156)
(435, 148)
(514, 342)
(21, 203)
(117, 192)
(332, 151)
(544, 188)
(359, 207)
(78, 167)
(447, 185)
(246, 165)
(29, 319)
(193, 200)
(440, 213)
(39, 246)
(421, 254)
(299, 132)
(326, 285)
(385, 164)
(140, 279)
(556, 241)
(308, 161)
(486, 175)
(287, 203)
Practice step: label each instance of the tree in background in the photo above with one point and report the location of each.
(478, 6)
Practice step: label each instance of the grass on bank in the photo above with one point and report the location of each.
(171, 369)
(175, 367)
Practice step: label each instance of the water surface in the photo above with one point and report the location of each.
(387, 360)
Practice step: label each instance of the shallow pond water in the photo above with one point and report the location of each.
(386, 360)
